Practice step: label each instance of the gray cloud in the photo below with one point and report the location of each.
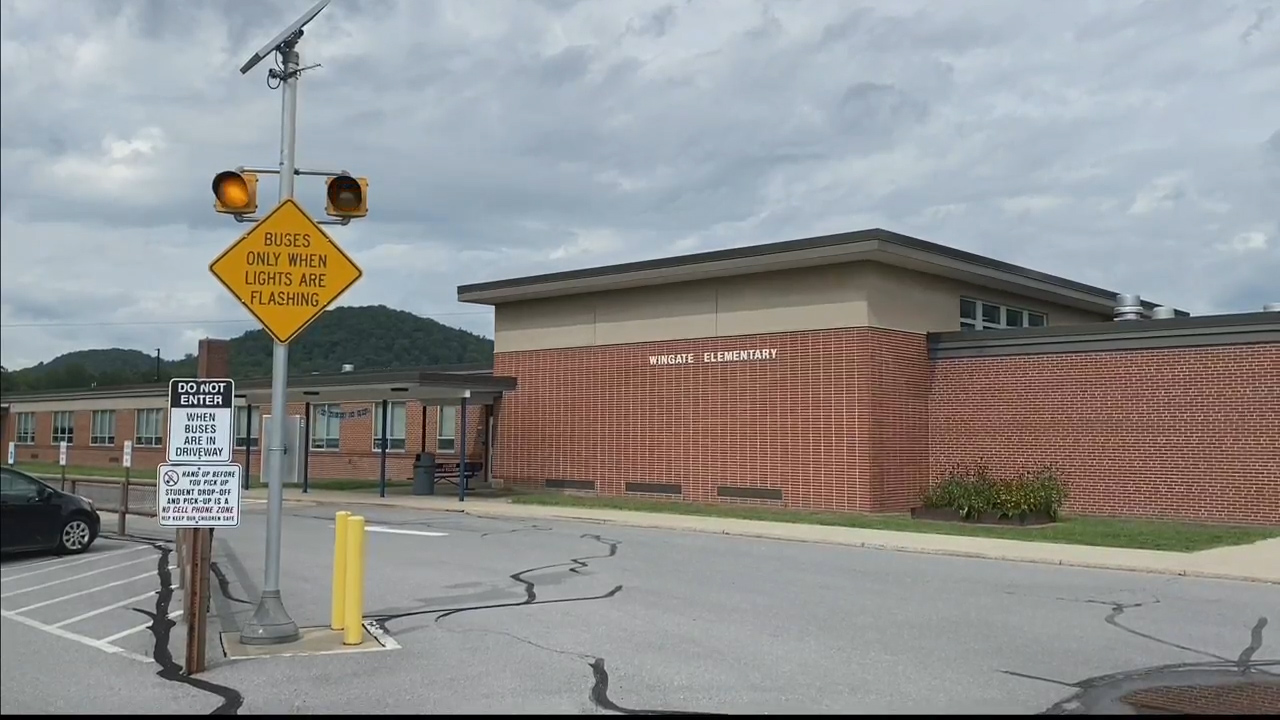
(1129, 144)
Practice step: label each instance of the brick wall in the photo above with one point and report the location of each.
(1190, 433)
(80, 452)
(809, 422)
(214, 358)
(355, 457)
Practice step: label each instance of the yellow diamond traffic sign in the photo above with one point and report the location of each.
(285, 270)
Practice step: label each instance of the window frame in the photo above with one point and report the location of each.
(34, 484)
(24, 428)
(327, 443)
(1004, 312)
(254, 413)
(396, 444)
(452, 439)
(98, 438)
(69, 436)
(142, 439)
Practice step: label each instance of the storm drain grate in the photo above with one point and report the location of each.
(1259, 697)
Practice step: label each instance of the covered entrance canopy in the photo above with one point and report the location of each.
(427, 387)
(460, 389)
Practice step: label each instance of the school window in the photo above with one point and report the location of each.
(25, 425)
(64, 427)
(980, 315)
(397, 421)
(254, 421)
(147, 426)
(325, 423)
(102, 427)
(447, 430)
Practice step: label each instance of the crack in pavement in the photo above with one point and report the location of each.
(224, 584)
(161, 628)
(599, 692)
(527, 528)
(1245, 660)
(1083, 698)
(1119, 608)
(531, 596)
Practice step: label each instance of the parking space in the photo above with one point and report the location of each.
(104, 599)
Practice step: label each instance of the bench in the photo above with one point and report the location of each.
(447, 472)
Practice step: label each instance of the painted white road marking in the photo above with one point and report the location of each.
(93, 589)
(132, 630)
(381, 635)
(402, 531)
(96, 556)
(107, 608)
(32, 563)
(51, 583)
(75, 637)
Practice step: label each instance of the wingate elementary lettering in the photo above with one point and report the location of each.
(722, 356)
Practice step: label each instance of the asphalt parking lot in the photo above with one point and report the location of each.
(103, 599)
(503, 615)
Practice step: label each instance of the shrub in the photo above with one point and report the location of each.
(975, 491)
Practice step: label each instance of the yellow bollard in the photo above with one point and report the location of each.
(336, 615)
(353, 605)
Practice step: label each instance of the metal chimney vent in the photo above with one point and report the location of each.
(348, 367)
(1271, 307)
(1128, 307)
(1163, 313)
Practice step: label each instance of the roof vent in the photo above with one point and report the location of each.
(1163, 313)
(1128, 307)
(1271, 307)
(348, 367)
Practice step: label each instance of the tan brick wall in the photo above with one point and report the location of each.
(1191, 433)
(809, 422)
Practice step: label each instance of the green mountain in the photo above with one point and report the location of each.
(373, 337)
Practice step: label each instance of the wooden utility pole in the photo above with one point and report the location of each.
(199, 543)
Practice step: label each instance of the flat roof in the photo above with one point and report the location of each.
(870, 245)
(446, 387)
(1253, 328)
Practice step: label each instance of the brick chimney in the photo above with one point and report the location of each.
(214, 359)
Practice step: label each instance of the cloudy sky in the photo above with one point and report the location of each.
(1132, 145)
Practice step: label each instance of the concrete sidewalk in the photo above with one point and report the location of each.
(1259, 562)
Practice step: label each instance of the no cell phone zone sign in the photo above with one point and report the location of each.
(199, 487)
(198, 496)
(201, 420)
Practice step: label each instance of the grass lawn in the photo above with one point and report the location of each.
(147, 476)
(1102, 532)
(137, 475)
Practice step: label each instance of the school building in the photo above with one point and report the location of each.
(838, 373)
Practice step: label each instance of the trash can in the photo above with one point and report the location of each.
(424, 474)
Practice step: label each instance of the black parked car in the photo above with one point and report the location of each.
(34, 516)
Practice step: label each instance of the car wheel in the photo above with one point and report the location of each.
(76, 537)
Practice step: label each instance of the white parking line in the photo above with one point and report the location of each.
(59, 632)
(101, 610)
(93, 589)
(51, 583)
(132, 630)
(32, 563)
(91, 558)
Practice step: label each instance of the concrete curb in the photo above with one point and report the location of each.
(946, 552)
(654, 522)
